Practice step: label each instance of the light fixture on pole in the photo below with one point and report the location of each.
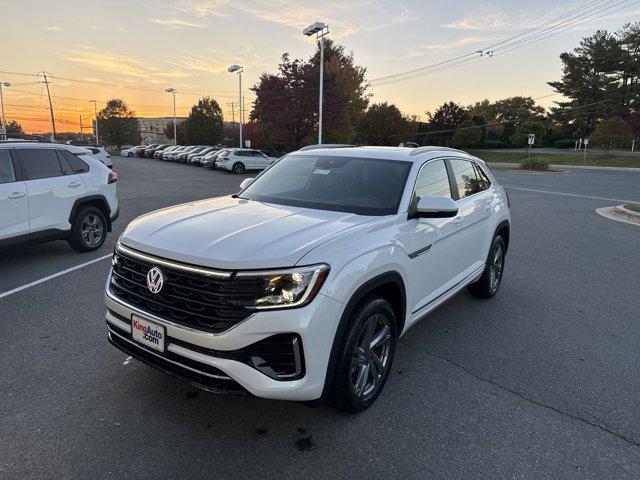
(95, 119)
(3, 131)
(238, 69)
(175, 128)
(319, 29)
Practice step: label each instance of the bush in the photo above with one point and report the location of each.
(533, 163)
(494, 144)
(564, 143)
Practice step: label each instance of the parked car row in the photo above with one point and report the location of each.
(236, 160)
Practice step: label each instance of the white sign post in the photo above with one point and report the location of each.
(247, 144)
(530, 141)
(584, 158)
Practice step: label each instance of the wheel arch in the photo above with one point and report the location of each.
(504, 230)
(98, 201)
(388, 285)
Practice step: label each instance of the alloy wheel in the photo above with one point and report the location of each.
(371, 356)
(497, 267)
(91, 230)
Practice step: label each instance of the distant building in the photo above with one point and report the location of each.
(152, 129)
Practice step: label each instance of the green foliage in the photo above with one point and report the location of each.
(204, 124)
(118, 125)
(382, 124)
(506, 113)
(601, 78)
(444, 121)
(14, 127)
(285, 111)
(468, 134)
(168, 131)
(564, 143)
(520, 137)
(611, 133)
(534, 163)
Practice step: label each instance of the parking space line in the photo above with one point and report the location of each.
(51, 277)
(572, 194)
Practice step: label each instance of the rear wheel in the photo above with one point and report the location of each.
(238, 168)
(129, 154)
(489, 283)
(89, 230)
(365, 356)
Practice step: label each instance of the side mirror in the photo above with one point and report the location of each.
(246, 182)
(435, 206)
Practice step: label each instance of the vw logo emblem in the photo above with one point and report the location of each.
(155, 280)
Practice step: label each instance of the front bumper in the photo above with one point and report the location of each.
(186, 348)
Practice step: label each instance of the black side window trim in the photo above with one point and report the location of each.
(452, 177)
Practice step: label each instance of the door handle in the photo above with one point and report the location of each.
(15, 195)
(488, 207)
(73, 184)
(458, 219)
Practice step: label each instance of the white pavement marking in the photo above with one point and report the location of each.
(55, 275)
(572, 194)
(127, 360)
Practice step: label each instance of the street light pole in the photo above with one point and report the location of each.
(319, 29)
(95, 119)
(3, 132)
(239, 69)
(175, 127)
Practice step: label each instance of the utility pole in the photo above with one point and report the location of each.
(53, 122)
(80, 126)
(175, 127)
(233, 116)
(95, 119)
(3, 131)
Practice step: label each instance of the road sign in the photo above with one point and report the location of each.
(586, 141)
(532, 138)
(247, 144)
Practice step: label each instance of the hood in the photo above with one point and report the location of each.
(230, 233)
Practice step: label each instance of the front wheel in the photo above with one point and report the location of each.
(129, 154)
(89, 230)
(238, 168)
(489, 283)
(365, 356)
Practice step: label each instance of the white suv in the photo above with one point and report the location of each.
(299, 286)
(239, 160)
(53, 191)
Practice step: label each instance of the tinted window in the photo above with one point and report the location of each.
(77, 165)
(243, 153)
(7, 173)
(40, 163)
(364, 186)
(433, 180)
(482, 177)
(465, 177)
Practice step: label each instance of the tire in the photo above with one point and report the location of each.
(89, 230)
(238, 168)
(489, 283)
(129, 154)
(350, 393)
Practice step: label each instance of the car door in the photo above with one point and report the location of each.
(475, 202)
(430, 243)
(14, 203)
(52, 189)
(260, 159)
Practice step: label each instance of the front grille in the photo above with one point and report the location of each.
(206, 303)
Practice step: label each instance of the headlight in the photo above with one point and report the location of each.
(293, 287)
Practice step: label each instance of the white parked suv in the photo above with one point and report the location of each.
(299, 286)
(51, 191)
(239, 160)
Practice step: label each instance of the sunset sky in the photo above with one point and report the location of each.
(134, 50)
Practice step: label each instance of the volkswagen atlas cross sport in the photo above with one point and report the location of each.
(299, 286)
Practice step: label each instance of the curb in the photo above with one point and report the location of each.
(620, 214)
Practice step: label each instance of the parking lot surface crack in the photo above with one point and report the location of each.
(600, 426)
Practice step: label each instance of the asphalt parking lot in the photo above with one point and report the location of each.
(539, 382)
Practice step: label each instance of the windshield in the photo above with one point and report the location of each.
(364, 186)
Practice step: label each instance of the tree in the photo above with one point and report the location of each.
(14, 128)
(611, 133)
(444, 121)
(285, 111)
(383, 124)
(601, 78)
(468, 134)
(633, 121)
(168, 132)
(118, 125)
(521, 136)
(204, 124)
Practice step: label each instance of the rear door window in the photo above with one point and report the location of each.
(39, 163)
(7, 172)
(77, 165)
(465, 176)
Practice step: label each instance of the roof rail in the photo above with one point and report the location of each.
(419, 150)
